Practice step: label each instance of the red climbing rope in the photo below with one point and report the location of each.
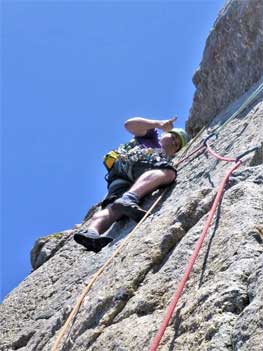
(177, 294)
(218, 156)
(200, 148)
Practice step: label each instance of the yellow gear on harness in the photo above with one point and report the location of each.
(110, 158)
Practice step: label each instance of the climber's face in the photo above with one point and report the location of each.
(171, 143)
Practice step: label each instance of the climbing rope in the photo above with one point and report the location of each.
(178, 293)
(201, 148)
(204, 145)
(216, 130)
(87, 288)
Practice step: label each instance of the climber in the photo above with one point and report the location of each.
(135, 169)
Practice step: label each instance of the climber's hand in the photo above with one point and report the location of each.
(167, 125)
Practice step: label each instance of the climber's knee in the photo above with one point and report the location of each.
(169, 174)
(163, 176)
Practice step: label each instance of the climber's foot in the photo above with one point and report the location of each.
(129, 209)
(91, 241)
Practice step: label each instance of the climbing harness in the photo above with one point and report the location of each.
(178, 293)
(204, 146)
(112, 156)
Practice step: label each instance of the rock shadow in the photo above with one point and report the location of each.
(218, 213)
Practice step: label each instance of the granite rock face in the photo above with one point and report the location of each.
(231, 63)
(221, 306)
(46, 247)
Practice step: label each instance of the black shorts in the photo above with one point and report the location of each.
(124, 174)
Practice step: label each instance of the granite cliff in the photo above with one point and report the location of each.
(232, 61)
(222, 305)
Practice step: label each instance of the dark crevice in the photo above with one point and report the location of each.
(257, 158)
(228, 148)
(177, 321)
(218, 214)
(210, 180)
(23, 340)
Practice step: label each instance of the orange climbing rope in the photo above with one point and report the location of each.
(77, 305)
(87, 288)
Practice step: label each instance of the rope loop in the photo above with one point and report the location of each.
(205, 140)
(157, 339)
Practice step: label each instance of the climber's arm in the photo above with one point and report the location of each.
(138, 126)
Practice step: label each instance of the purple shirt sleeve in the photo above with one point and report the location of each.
(150, 139)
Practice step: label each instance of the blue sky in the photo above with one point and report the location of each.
(72, 73)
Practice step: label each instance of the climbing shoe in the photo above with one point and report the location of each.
(129, 209)
(91, 241)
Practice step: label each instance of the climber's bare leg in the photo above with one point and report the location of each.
(145, 184)
(151, 180)
(102, 220)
